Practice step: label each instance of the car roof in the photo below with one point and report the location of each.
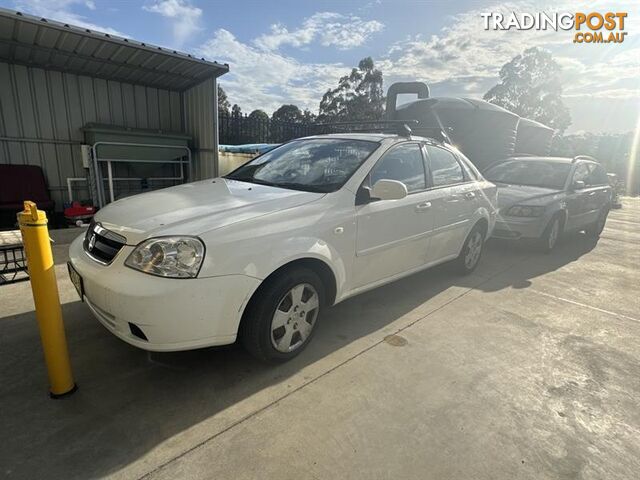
(551, 159)
(374, 137)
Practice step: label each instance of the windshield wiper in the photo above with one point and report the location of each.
(302, 186)
(252, 180)
(287, 185)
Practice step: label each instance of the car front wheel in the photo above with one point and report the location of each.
(597, 227)
(551, 234)
(282, 317)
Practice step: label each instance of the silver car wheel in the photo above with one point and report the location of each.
(553, 234)
(474, 248)
(294, 318)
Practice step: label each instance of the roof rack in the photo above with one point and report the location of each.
(583, 157)
(400, 127)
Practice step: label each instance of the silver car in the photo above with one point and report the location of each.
(539, 198)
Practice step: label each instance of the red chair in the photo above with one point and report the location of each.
(19, 183)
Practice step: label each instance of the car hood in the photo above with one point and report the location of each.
(194, 208)
(509, 195)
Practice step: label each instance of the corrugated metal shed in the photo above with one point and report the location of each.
(32, 41)
(55, 79)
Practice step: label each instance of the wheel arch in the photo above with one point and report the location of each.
(563, 215)
(316, 265)
(319, 267)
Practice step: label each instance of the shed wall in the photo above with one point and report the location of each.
(42, 113)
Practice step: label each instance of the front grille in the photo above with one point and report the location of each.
(101, 244)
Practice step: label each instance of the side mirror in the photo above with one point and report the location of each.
(578, 185)
(389, 190)
(363, 196)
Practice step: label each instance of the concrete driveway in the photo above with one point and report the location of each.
(529, 368)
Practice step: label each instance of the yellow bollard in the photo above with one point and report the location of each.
(35, 236)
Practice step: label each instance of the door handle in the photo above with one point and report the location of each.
(421, 207)
(454, 199)
(469, 195)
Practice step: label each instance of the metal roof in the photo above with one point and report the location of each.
(43, 43)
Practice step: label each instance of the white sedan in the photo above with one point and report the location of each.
(257, 254)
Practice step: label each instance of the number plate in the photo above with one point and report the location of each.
(76, 279)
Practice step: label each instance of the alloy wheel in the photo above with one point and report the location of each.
(294, 318)
(474, 249)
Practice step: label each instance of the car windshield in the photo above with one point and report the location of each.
(315, 165)
(534, 173)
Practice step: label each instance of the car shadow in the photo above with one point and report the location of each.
(130, 401)
(530, 263)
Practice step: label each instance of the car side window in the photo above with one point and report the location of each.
(404, 164)
(445, 168)
(598, 176)
(581, 174)
(470, 172)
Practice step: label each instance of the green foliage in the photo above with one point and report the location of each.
(259, 115)
(223, 101)
(308, 116)
(236, 110)
(358, 96)
(288, 113)
(530, 86)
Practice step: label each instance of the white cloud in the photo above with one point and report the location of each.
(464, 59)
(263, 77)
(62, 11)
(185, 17)
(463, 49)
(267, 79)
(327, 28)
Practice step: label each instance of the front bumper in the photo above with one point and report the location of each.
(515, 228)
(173, 314)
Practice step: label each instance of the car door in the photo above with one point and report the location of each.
(454, 203)
(598, 183)
(393, 235)
(578, 199)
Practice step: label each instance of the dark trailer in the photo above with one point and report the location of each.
(484, 132)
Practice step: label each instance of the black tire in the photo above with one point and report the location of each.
(552, 232)
(256, 327)
(595, 229)
(462, 265)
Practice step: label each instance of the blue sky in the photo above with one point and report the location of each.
(292, 51)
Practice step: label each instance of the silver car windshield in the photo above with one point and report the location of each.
(532, 173)
(317, 165)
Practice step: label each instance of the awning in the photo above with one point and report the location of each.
(38, 42)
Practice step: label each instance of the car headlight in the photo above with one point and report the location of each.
(525, 211)
(175, 257)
